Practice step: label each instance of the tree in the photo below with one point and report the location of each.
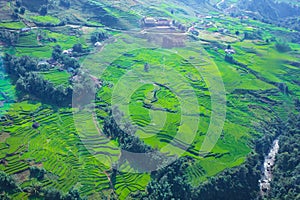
(237, 33)
(7, 183)
(43, 10)
(22, 10)
(35, 189)
(73, 194)
(99, 37)
(37, 172)
(10, 38)
(65, 3)
(52, 193)
(282, 47)
(170, 182)
(77, 48)
(18, 3)
(56, 53)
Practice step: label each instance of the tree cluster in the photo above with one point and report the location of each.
(37, 172)
(170, 182)
(37, 191)
(8, 37)
(99, 37)
(23, 71)
(282, 47)
(65, 3)
(286, 174)
(256, 35)
(66, 60)
(141, 156)
(7, 183)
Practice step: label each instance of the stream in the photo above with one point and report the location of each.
(267, 168)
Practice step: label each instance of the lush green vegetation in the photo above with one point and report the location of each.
(286, 172)
(46, 19)
(160, 84)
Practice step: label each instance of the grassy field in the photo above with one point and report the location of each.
(12, 25)
(57, 77)
(45, 19)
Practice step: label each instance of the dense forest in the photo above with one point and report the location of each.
(286, 182)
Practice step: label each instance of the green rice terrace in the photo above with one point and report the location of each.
(84, 82)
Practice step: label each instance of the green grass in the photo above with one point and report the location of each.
(12, 25)
(45, 19)
(57, 77)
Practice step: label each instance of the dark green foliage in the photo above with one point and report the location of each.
(65, 3)
(229, 58)
(22, 10)
(52, 193)
(34, 5)
(286, 175)
(37, 172)
(5, 196)
(7, 183)
(143, 157)
(56, 53)
(239, 183)
(66, 60)
(18, 3)
(99, 37)
(170, 182)
(23, 72)
(77, 48)
(34, 190)
(73, 194)
(69, 62)
(9, 38)
(18, 67)
(43, 10)
(35, 85)
(257, 35)
(282, 47)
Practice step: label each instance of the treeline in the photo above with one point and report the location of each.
(9, 37)
(286, 174)
(141, 156)
(23, 72)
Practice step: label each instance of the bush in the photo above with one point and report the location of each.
(43, 10)
(22, 10)
(282, 47)
(37, 172)
(65, 3)
(7, 183)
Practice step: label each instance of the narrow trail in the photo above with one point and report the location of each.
(267, 170)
